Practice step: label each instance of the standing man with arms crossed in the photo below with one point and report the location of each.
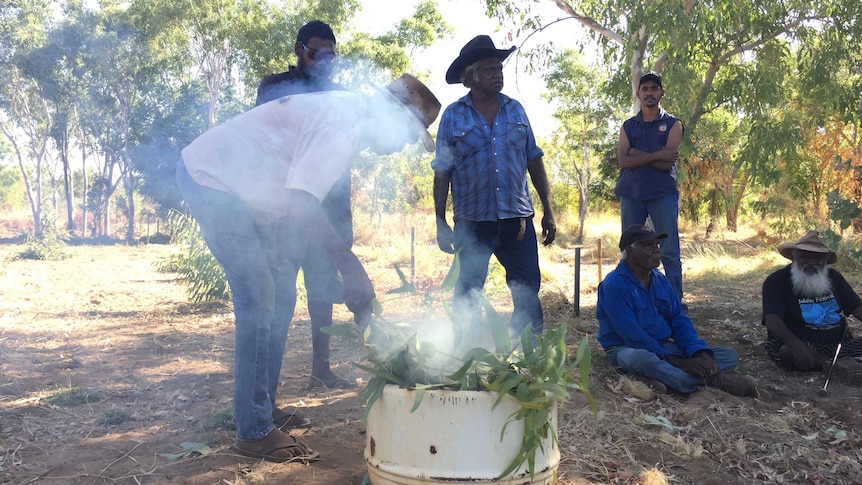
(648, 152)
(315, 51)
(485, 149)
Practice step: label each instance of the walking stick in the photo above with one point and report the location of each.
(823, 392)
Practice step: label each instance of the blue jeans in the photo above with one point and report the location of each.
(260, 263)
(476, 241)
(645, 363)
(664, 213)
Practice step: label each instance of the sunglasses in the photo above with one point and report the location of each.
(317, 55)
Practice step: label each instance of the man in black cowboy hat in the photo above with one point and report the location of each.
(804, 308)
(485, 149)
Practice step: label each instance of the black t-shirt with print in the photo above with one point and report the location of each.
(812, 319)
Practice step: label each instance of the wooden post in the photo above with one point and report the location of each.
(599, 258)
(413, 255)
(577, 304)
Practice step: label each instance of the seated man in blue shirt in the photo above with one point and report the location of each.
(645, 331)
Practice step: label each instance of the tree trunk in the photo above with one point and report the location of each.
(713, 211)
(130, 215)
(68, 185)
(735, 201)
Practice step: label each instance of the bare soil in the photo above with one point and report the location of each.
(105, 367)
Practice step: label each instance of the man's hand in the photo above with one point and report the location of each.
(445, 237)
(700, 364)
(806, 358)
(358, 290)
(549, 229)
(362, 316)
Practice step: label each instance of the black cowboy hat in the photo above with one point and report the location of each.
(481, 47)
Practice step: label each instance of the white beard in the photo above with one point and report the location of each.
(810, 285)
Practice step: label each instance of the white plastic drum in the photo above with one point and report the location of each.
(453, 437)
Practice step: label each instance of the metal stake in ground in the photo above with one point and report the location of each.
(823, 392)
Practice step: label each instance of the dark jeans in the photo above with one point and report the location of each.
(476, 242)
(261, 268)
(645, 363)
(664, 213)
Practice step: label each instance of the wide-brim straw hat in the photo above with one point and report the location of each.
(419, 101)
(810, 242)
(480, 47)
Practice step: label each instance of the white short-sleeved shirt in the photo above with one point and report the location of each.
(304, 142)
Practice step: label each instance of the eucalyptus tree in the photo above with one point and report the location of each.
(583, 110)
(118, 71)
(830, 99)
(25, 115)
(56, 66)
(402, 181)
(720, 54)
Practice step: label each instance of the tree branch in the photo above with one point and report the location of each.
(590, 23)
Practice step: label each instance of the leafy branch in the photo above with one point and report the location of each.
(536, 371)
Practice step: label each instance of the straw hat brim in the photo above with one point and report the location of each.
(786, 250)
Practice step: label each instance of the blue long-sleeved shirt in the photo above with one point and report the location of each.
(487, 165)
(630, 314)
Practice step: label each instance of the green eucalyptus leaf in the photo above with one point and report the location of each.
(342, 330)
(452, 277)
(419, 394)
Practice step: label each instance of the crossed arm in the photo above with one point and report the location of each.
(663, 159)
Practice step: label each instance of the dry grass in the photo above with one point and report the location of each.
(104, 321)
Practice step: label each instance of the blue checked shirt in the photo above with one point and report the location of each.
(488, 166)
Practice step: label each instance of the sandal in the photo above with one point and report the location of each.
(298, 451)
(331, 381)
(283, 420)
(287, 420)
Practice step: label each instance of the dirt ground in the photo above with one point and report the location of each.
(106, 368)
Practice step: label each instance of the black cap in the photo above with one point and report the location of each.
(637, 233)
(315, 28)
(650, 76)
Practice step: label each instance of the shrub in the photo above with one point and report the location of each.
(194, 263)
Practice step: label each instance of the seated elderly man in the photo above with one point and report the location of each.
(646, 332)
(804, 308)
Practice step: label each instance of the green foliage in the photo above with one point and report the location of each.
(113, 417)
(12, 190)
(74, 397)
(848, 252)
(220, 418)
(536, 371)
(195, 264)
(841, 209)
(46, 248)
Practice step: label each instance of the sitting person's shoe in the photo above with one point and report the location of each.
(848, 370)
(737, 384)
(656, 385)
